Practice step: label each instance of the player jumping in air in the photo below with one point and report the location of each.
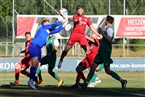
(50, 59)
(78, 33)
(25, 63)
(88, 61)
(38, 42)
(104, 54)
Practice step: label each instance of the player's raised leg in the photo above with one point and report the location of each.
(64, 53)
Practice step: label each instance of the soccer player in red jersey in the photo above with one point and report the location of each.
(25, 63)
(78, 33)
(88, 60)
(104, 54)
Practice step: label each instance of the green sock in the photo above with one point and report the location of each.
(101, 66)
(55, 76)
(89, 77)
(38, 70)
(94, 78)
(116, 76)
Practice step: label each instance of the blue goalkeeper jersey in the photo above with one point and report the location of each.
(44, 31)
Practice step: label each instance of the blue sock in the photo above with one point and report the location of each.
(32, 72)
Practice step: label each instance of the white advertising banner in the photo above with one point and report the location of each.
(69, 64)
(130, 26)
(125, 26)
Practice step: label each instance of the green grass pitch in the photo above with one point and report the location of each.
(108, 88)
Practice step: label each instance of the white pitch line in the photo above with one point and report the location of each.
(135, 94)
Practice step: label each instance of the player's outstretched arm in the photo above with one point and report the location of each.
(64, 22)
(59, 23)
(56, 30)
(52, 26)
(94, 30)
(89, 38)
(108, 38)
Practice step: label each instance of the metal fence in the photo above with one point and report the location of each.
(20, 6)
(76, 51)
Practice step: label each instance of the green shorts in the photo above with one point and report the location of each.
(103, 57)
(49, 60)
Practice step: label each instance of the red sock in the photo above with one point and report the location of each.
(79, 76)
(25, 73)
(64, 53)
(17, 73)
(83, 77)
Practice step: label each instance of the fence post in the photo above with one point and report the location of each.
(6, 48)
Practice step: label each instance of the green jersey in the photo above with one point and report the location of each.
(104, 53)
(105, 44)
(50, 45)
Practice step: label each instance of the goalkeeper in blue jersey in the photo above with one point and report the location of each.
(39, 41)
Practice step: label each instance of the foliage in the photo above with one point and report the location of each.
(137, 41)
(39, 7)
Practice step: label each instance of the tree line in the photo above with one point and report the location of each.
(39, 7)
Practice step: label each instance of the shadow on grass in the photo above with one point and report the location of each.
(66, 91)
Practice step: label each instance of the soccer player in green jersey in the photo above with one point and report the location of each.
(104, 54)
(50, 59)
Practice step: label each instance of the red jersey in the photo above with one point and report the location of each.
(89, 59)
(81, 26)
(27, 44)
(93, 48)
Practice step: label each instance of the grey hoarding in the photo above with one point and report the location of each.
(69, 64)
